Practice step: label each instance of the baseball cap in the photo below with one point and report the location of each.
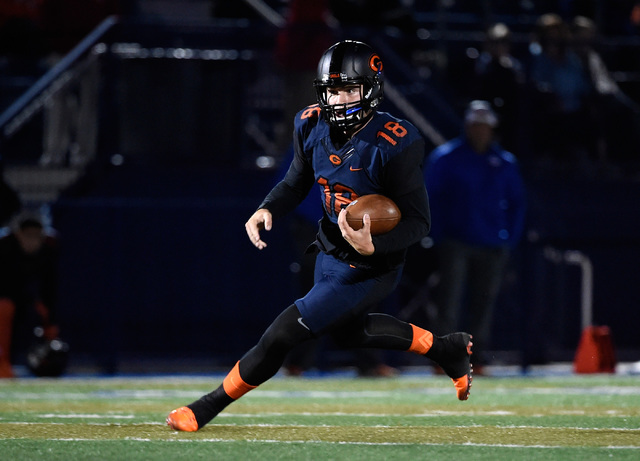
(480, 112)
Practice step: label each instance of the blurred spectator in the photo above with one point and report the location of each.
(477, 201)
(562, 125)
(28, 287)
(500, 80)
(615, 113)
(584, 35)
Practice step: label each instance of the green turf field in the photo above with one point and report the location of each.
(412, 417)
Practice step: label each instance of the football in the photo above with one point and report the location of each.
(383, 212)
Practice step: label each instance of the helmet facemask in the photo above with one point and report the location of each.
(349, 64)
(346, 115)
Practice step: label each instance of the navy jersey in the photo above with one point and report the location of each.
(385, 157)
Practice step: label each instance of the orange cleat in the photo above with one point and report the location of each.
(453, 352)
(463, 385)
(182, 419)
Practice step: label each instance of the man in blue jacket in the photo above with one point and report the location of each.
(477, 201)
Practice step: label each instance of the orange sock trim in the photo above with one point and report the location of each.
(234, 385)
(422, 340)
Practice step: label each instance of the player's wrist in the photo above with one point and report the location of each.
(367, 250)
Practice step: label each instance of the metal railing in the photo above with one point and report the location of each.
(27, 105)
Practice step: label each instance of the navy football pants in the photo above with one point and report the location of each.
(337, 305)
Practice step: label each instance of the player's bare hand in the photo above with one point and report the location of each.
(261, 219)
(360, 240)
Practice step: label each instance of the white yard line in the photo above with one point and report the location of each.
(319, 442)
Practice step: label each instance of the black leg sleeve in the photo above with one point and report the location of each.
(265, 358)
(259, 364)
(380, 331)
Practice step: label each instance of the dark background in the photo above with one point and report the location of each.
(156, 270)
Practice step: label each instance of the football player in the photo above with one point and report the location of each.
(28, 261)
(344, 147)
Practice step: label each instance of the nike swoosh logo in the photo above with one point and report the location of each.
(354, 169)
(302, 323)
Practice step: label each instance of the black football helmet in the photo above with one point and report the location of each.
(349, 63)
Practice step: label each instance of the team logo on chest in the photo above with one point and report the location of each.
(335, 157)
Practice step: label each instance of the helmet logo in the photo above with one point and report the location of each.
(334, 75)
(375, 63)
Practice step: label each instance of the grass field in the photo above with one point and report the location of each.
(412, 417)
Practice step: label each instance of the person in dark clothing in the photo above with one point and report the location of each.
(559, 93)
(346, 148)
(501, 80)
(28, 287)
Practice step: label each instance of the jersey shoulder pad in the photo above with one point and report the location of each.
(392, 133)
(307, 117)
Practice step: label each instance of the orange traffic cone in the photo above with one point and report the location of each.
(595, 352)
